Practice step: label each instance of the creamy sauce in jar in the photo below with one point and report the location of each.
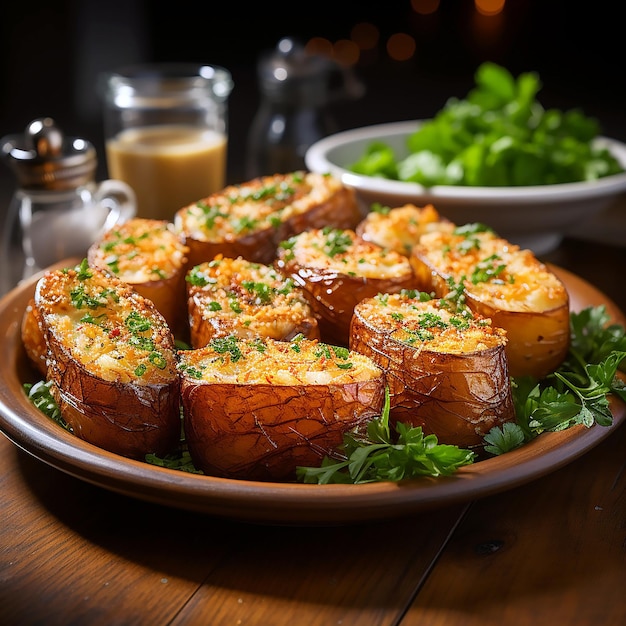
(168, 166)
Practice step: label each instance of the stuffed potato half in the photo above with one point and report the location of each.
(446, 369)
(149, 256)
(507, 284)
(251, 219)
(336, 269)
(111, 360)
(234, 296)
(256, 409)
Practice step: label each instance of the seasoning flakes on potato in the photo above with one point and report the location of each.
(235, 296)
(507, 284)
(446, 368)
(112, 362)
(256, 409)
(251, 219)
(149, 256)
(336, 269)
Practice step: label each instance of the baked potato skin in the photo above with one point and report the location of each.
(149, 256)
(456, 389)
(261, 426)
(111, 394)
(538, 341)
(123, 418)
(335, 278)
(251, 219)
(263, 432)
(33, 338)
(526, 299)
(258, 247)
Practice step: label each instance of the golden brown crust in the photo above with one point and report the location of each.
(400, 228)
(257, 409)
(234, 296)
(111, 360)
(506, 284)
(148, 255)
(447, 371)
(336, 269)
(251, 219)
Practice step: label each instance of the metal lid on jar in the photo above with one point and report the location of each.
(43, 158)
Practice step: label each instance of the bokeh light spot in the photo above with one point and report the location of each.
(489, 7)
(400, 47)
(346, 52)
(365, 35)
(319, 45)
(425, 7)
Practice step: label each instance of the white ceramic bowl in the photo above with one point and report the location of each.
(535, 217)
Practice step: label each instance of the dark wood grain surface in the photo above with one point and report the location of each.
(550, 552)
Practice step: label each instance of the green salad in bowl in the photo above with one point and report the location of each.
(497, 157)
(499, 135)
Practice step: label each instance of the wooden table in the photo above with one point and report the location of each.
(551, 552)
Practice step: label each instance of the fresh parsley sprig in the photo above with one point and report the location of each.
(40, 395)
(577, 392)
(381, 457)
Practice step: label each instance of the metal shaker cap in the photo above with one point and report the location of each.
(44, 159)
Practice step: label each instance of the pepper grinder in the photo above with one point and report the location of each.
(296, 89)
(58, 209)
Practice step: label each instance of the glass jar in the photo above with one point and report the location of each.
(166, 133)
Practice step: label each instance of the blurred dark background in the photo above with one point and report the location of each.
(54, 52)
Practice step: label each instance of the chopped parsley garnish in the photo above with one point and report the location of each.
(80, 298)
(210, 213)
(337, 241)
(84, 271)
(136, 323)
(261, 290)
(227, 345)
(196, 278)
(487, 269)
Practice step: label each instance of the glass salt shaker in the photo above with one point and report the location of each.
(58, 209)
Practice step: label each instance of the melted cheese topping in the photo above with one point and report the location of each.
(141, 251)
(493, 270)
(265, 361)
(108, 328)
(254, 206)
(401, 228)
(344, 252)
(246, 297)
(429, 325)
